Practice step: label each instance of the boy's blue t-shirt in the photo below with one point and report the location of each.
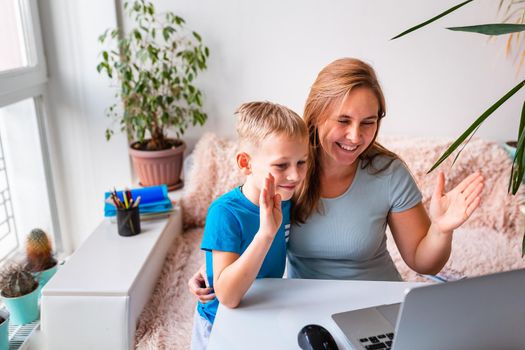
(231, 224)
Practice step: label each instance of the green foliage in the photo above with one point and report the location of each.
(491, 29)
(518, 164)
(39, 252)
(16, 281)
(155, 65)
(433, 19)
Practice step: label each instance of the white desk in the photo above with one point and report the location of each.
(274, 310)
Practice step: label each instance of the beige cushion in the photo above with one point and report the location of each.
(214, 172)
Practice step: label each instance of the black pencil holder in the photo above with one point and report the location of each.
(128, 221)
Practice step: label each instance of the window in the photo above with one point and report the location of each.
(13, 43)
(26, 188)
(8, 237)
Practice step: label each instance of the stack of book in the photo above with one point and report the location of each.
(154, 202)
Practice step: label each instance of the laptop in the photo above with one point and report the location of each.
(486, 312)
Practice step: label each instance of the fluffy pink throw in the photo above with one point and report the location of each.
(489, 242)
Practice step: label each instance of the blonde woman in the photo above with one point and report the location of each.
(354, 188)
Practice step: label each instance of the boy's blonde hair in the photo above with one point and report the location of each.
(258, 120)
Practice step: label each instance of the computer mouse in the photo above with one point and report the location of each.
(315, 337)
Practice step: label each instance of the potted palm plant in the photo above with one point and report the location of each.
(155, 65)
(515, 11)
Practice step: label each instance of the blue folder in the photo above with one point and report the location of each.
(153, 199)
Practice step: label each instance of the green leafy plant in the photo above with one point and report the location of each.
(155, 65)
(16, 281)
(39, 252)
(518, 164)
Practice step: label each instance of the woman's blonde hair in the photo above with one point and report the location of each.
(333, 84)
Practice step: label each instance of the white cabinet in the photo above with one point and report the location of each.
(95, 299)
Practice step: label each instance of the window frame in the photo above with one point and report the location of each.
(26, 82)
(30, 82)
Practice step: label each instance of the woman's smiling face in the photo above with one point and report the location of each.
(349, 127)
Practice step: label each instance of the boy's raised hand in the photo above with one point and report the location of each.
(271, 215)
(450, 210)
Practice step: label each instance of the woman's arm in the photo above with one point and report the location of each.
(425, 243)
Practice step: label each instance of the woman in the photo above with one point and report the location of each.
(355, 187)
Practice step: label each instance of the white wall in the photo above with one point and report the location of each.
(84, 164)
(436, 81)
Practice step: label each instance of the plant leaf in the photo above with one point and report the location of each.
(518, 169)
(443, 14)
(197, 36)
(476, 124)
(491, 29)
(465, 145)
(102, 37)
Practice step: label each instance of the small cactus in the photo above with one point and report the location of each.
(39, 251)
(16, 281)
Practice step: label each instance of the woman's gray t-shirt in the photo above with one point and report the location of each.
(348, 240)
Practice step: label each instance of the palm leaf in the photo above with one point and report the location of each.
(432, 19)
(465, 144)
(491, 29)
(475, 125)
(519, 159)
(517, 170)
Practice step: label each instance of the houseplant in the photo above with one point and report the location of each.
(518, 164)
(155, 65)
(39, 255)
(19, 292)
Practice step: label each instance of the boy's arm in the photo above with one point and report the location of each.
(234, 273)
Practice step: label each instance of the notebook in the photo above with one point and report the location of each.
(154, 201)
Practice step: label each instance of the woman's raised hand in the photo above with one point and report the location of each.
(450, 210)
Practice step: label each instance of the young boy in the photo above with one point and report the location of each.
(246, 229)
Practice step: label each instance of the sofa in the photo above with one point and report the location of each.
(490, 241)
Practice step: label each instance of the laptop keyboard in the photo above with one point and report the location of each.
(380, 341)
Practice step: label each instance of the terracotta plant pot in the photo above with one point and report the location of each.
(159, 167)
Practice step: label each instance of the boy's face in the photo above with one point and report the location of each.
(282, 156)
